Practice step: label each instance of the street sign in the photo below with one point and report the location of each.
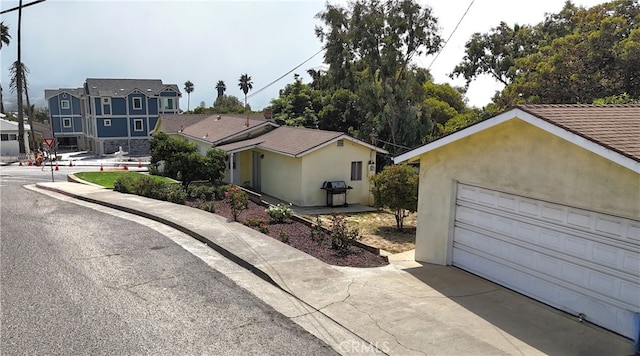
(49, 141)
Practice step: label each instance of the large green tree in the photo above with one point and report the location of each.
(574, 56)
(369, 47)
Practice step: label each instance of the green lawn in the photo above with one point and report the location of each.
(106, 178)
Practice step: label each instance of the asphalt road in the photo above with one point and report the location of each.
(77, 281)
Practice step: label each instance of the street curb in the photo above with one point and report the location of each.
(221, 250)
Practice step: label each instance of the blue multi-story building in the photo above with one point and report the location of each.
(108, 114)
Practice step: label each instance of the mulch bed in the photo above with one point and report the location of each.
(299, 235)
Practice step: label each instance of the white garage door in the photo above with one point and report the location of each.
(578, 261)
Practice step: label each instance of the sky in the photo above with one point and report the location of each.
(65, 42)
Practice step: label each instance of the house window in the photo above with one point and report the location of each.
(66, 122)
(137, 125)
(167, 104)
(340, 143)
(4, 137)
(137, 103)
(64, 104)
(356, 170)
(107, 122)
(106, 106)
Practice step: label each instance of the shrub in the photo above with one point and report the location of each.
(283, 237)
(202, 192)
(148, 187)
(237, 199)
(278, 213)
(342, 237)
(220, 191)
(175, 193)
(258, 223)
(208, 206)
(317, 232)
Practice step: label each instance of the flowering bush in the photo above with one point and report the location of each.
(342, 237)
(259, 223)
(278, 213)
(237, 199)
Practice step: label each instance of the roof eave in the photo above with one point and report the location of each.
(534, 120)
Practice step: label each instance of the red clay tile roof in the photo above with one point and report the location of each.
(288, 140)
(616, 127)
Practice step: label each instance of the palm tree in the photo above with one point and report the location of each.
(220, 87)
(188, 87)
(5, 38)
(245, 85)
(17, 78)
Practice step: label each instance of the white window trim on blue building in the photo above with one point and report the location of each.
(64, 104)
(138, 125)
(66, 122)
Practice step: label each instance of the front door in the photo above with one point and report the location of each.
(256, 179)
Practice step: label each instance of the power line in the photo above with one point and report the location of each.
(23, 6)
(284, 75)
(451, 35)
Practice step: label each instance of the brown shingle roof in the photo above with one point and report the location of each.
(174, 123)
(288, 140)
(214, 128)
(616, 127)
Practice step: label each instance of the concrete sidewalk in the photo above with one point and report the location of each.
(406, 308)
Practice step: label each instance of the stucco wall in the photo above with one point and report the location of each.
(334, 163)
(518, 158)
(281, 177)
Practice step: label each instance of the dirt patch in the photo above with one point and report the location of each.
(378, 229)
(298, 235)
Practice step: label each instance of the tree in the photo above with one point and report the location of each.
(245, 85)
(184, 163)
(188, 88)
(396, 188)
(575, 56)
(17, 73)
(228, 104)
(5, 38)
(369, 47)
(220, 87)
(295, 106)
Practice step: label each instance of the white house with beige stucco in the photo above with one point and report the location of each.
(287, 163)
(544, 199)
(292, 163)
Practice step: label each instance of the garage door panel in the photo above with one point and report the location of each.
(630, 292)
(631, 261)
(576, 260)
(633, 232)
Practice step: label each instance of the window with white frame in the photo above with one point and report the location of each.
(66, 122)
(166, 104)
(137, 125)
(107, 122)
(137, 103)
(64, 104)
(356, 170)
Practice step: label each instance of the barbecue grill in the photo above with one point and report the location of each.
(336, 192)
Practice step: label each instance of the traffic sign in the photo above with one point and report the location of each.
(49, 141)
